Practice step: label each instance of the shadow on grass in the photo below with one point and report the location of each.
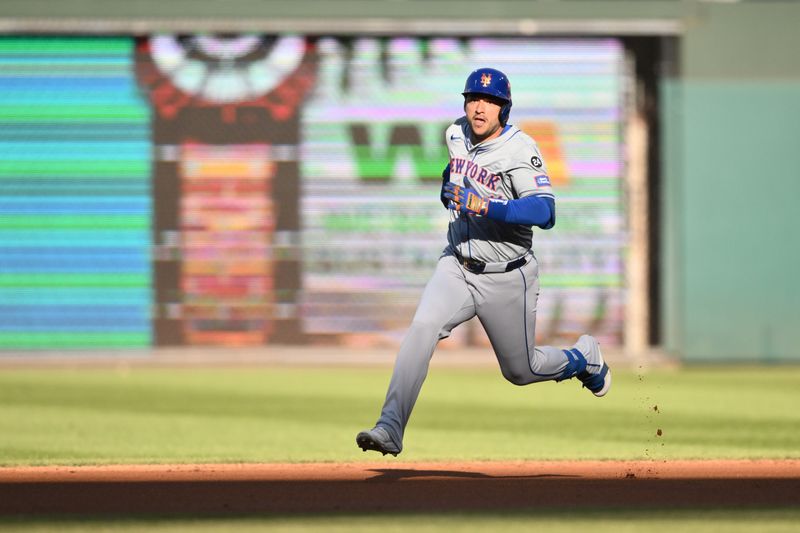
(397, 474)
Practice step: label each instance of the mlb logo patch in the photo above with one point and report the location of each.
(543, 180)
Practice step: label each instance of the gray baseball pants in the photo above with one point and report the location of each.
(504, 302)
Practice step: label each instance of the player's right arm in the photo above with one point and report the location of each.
(445, 179)
(453, 137)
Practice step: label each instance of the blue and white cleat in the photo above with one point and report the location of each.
(377, 439)
(596, 376)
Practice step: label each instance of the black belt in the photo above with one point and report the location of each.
(479, 267)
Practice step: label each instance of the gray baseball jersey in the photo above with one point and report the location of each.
(503, 298)
(506, 167)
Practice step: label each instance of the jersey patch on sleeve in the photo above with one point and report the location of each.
(543, 180)
(536, 162)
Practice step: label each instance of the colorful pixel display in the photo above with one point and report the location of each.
(246, 190)
(75, 203)
(374, 151)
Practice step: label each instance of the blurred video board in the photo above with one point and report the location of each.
(374, 150)
(226, 129)
(254, 189)
(75, 203)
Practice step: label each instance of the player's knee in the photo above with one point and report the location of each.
(424, 328)
(518, 376)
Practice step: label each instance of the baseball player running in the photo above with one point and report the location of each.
(496, 187)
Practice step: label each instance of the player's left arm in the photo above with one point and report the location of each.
(530, 211)
(534, 210)
(535, 202)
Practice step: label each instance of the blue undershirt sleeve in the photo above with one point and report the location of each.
(445, 179)
(531, 211)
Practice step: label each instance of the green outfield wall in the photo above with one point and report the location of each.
(730, 131)
(731, 188)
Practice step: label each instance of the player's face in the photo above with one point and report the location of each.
(483, 115)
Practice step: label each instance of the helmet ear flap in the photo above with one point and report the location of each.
(505, 111)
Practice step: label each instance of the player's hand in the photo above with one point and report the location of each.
(465, 199)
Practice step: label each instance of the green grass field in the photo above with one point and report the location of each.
(187, 415)
(611, 521)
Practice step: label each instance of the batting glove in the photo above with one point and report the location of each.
(465, 199)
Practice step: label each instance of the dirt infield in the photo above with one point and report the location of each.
(221, 489)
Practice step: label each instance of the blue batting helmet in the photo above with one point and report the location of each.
(492, 82)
